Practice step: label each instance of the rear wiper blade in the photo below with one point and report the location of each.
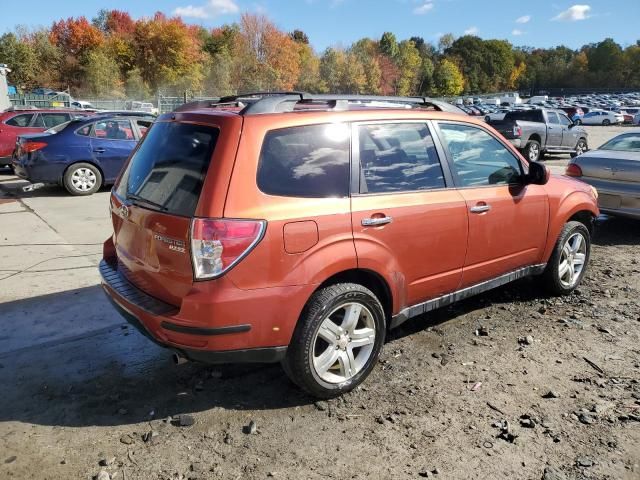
(137, 198)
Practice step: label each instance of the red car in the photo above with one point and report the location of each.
(19, 122)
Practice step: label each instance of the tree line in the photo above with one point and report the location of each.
(116, 56)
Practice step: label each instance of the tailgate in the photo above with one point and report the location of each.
(154, 202)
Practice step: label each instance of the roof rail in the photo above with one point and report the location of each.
(254, 103)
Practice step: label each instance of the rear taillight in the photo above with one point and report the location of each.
(29, 147)
(573, 170)
(218, 244)
(517, 131)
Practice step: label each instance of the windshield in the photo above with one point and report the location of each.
(627, 142)
(167, 171)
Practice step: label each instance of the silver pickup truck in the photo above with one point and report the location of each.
(540, 131)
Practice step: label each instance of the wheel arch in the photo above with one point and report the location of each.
(369, 279)
(535, 137)
(578, 209)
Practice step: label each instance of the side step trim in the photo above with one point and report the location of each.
(467, 292)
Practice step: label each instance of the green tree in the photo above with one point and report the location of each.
(389, 45)
(22, 59)
(448, 79)
(102, 75)
(409, 63)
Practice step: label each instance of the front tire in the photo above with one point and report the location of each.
(606, 122)
(568, 263)
(337, 340)
(532, 151)
(82, 179)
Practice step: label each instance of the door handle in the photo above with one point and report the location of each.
(376, 221)
(98, 150)
(480, 208)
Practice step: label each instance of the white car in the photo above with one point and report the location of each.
(602, 117)
(82, 105)
(499, 115)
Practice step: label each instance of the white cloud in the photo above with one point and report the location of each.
(211, 9)
(471, 31)
(423, 9)
(523, 19)
(517, 32)
(574, 13)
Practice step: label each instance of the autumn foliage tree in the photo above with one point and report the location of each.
(115, 55)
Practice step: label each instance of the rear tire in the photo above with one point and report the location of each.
(581, 147)
(337, 341)
(532, 151)
(82, 179)
(569, 260)
(606, 122)
(578, 122)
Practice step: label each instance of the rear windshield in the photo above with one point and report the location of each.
(525, 115)
(167, 171)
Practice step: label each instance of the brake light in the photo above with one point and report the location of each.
(573, 170)
(517, 131)
(29, 147)
(219, 244)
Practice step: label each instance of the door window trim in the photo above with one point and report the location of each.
(355, 158)
(449, 158)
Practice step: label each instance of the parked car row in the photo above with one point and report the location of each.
(607, 109)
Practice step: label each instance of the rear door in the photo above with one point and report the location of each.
(112, 141)
(153, 203)
(406, 219)
(554, 130)
(507, 220)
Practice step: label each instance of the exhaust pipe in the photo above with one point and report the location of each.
(179, 359)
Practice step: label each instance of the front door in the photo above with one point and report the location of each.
(507, 219)
(406, 220)
(112, 141)
(570, 136)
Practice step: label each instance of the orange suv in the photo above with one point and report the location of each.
(299, 228)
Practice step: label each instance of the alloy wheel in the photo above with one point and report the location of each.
(343, 343)
(534, 152)
(572, 258)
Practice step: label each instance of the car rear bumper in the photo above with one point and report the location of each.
(617, 198)
(516, 142)
(232, 325)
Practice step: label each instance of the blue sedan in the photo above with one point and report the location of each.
(81, 155)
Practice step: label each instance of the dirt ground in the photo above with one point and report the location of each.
(511, 384)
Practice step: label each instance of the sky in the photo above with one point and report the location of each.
(536, 23)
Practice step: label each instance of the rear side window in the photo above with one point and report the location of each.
(169, 168)
(20, 120)
(526, 116)
(553, 117)
(398, 157)
(309, 161)
(53, 119)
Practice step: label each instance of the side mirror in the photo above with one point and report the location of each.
(538, 174)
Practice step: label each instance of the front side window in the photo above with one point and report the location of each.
(479, 159)
(397, 157)
(564, 120)
(113, 130)
(22, 120)
(308, 161)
